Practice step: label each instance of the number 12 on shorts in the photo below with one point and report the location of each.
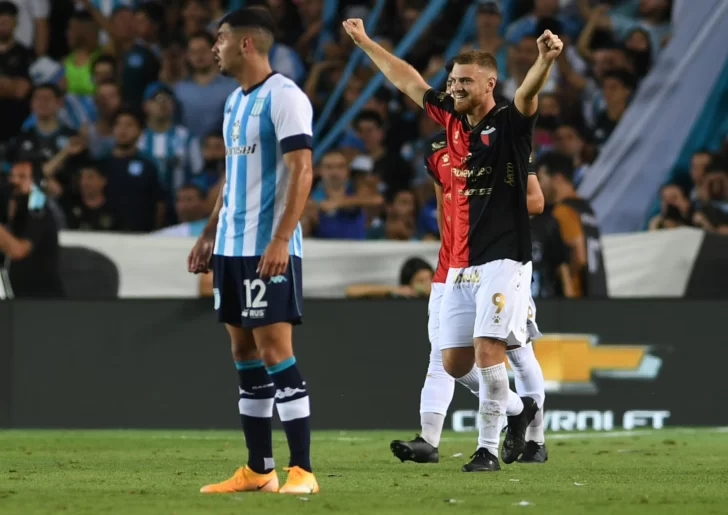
(257, 287)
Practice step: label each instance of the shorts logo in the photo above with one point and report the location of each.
(216, 295)
(253, 313)
(499, 301)
(467, 277)
(278, 279)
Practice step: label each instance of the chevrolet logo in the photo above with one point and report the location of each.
(571, 361)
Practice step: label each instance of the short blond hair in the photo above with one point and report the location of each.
(478, 57)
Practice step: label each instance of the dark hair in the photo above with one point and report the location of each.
(104, 59)
(92, 165)
(552, 24)
(134, 113)
(9, 9)
(250, 17)
(193, 186)
(717, 164)
(154, 11)
(202, 34)
(627, 79)
(556, 163)
(368, 115)
(411, 267)
(49, 86)
(83, 16)
(703, 151)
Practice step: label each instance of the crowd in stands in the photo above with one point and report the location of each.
(115, 106)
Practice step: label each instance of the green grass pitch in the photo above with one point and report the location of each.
(671, 471)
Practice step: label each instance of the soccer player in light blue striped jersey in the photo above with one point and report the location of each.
(253, 240)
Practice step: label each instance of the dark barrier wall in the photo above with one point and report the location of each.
(167, 364)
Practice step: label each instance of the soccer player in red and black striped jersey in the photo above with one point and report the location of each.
(486, 301)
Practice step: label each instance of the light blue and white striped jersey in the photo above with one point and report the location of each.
(177, 154)
(77, 110)
(261, 125)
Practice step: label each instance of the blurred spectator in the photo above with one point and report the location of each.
(526, 25)
(675, 208)
(698, 164)
(191, 211)
(213, 164)
(618, 87)
(203, 95)
(335, 209)
(284, 59)
(549, 118)
(45, 142)
(714, 188)
(393, 172)
(118, 25)
(76, 111)
(103, 70)
(89, 210)
(311, 14)
(525, 52)
(568, 140)
(83, 41)
(15, 61)
(29, 249)
(400, 219)
(639, 49)
(577, 223)
(133, 189)
(196, 17)
(551, 274)
(32, 28)
(141, 63)
(176, 152)
(487, 35)
(711, 218)
(101, 133)
(415, 281)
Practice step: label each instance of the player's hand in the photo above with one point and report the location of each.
(549, 46)
(198, 262)
(355, 28)
(274, 260)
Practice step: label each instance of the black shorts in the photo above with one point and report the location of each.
(242, 298)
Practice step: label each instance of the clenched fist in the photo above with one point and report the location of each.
(549, 46)
(355, 28)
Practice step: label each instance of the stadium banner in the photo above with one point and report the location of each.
(608, 364)
(654, 264)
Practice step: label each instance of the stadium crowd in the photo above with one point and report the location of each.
(112, 109)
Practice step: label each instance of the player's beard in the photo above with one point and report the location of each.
(464, 105)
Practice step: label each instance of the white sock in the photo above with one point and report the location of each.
(435, 399)
(471, 381)
(432, 427)
(515, 404)
(493, 400)
(529, 383)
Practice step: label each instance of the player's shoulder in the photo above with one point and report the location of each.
(281, 87)
(231, 99)
(436, 142)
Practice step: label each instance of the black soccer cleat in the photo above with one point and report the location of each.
(482, 461)
(417, 450)
(534, 453)
(515, 440)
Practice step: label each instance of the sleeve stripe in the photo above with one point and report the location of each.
(296, 142)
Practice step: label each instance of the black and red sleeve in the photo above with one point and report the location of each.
(439, 106)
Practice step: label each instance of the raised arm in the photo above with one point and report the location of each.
(526, 98)
(398, 72)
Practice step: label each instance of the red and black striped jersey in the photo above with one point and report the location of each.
(438, 165)
(489, 181)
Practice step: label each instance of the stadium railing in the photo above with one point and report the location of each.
(433, 9)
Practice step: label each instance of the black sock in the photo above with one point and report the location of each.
(256, 413)
(294, 411)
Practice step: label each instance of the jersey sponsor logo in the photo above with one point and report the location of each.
(570, 362)
(510, 179)
(477, 192)
(288, 392)
(278, 279)
(485, 135)
(467, 277)
(257, 107)
(437, 145)
(472, 172)
(241, 151)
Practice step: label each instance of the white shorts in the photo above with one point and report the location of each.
(490, 301)
(433, 314)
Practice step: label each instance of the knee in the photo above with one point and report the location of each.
(457, 364)
(244, 352)
(273, 354)
(489, 352)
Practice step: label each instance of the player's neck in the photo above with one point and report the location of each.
(254, 75)
(479, 112)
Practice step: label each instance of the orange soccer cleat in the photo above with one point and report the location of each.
(299, 481)
(245, 480)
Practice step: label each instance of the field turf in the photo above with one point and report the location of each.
(671, 471)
